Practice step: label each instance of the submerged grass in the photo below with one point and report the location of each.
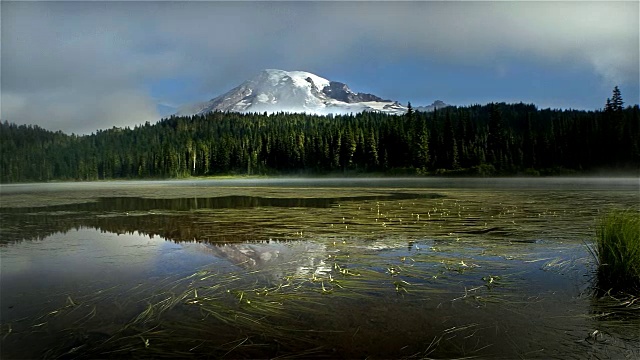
(462, 286)
(618, 252)
(243, 314)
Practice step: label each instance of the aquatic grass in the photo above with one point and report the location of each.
(617, 251)
(248, 310)
(183, 316)
(414, 274)
(263, 315)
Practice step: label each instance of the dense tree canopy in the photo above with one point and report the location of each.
(494, 139)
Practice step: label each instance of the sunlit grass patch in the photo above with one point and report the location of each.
(617, 251)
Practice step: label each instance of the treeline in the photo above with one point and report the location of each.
(494, 139)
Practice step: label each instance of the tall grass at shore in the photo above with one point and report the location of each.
(617, 251)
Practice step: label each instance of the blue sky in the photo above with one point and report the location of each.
(82, 66)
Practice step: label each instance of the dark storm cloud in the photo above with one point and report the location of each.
(81, 66)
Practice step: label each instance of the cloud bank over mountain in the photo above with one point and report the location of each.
(80, 66)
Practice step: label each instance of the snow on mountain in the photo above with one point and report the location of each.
(295, 92)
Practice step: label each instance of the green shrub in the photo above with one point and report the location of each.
(618, 252)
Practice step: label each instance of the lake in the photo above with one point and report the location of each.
(328, 268)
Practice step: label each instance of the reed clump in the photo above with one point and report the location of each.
(617, 251)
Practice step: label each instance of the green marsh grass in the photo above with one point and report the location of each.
(617, 251)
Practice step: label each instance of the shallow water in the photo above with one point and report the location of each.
(309, 268)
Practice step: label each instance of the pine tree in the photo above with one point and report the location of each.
(423, 149)
(409, 111)
(614, 103)
(616, 100)
(495, 136)
(372, 151)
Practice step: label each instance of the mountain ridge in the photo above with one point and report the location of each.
(274, 90)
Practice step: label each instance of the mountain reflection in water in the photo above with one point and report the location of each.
(276, 258)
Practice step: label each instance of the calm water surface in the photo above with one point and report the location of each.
(382, 268)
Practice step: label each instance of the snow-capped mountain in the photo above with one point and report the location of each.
(294, 91)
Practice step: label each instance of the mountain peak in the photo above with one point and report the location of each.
(275, 90)
(437, 105)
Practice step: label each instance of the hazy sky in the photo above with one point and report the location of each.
(81, 66)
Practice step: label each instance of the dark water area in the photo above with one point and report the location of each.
(119, 204)
(402, 268)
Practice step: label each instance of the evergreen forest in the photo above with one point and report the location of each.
(487, 140)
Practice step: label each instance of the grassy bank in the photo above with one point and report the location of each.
(618, 252)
